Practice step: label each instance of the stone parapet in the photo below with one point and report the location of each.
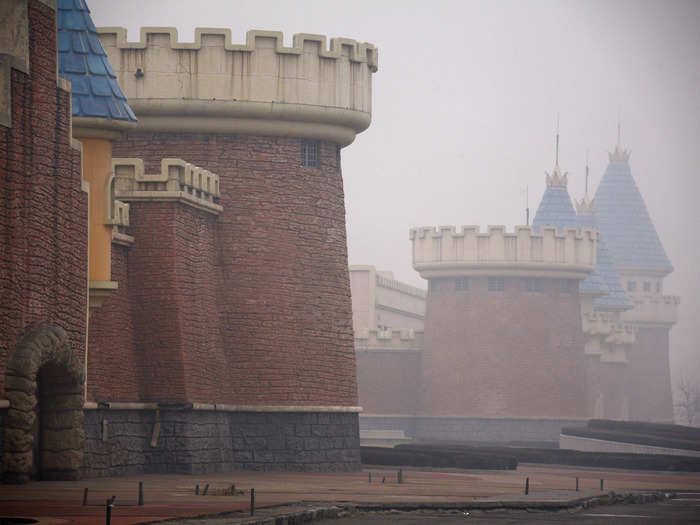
(659, 310)
(401, 287)
(569, 253)
(261, 87)
(398, 340)
(609, 325)
(177, 181)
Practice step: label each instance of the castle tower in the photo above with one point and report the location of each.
(233, 307)
(503, 356)
(642, 264)
(608, 338)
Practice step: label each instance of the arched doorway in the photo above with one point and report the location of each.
(44, 424)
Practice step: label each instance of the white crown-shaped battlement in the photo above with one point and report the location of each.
(445, 250)
(620, 154)
(178, 180)
(585, 206)
(557, 179)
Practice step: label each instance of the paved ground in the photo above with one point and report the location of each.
(170, 496)
(679, 510)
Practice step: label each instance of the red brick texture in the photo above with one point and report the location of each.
(388, 382)
(253, 306)
(503, 354)
(112, 358)
(649, 376)
(43, 211)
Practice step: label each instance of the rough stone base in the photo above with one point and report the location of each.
(202, 442)
(490, 430)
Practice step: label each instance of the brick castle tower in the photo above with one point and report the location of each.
(503, 356)
(207, 242)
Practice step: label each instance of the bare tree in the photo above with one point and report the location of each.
(688, 401)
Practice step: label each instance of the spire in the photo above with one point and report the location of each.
(586, 205)
(556, 179)
(620, 154)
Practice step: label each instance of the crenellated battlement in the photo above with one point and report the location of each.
(310, 89)
(178, 180)
(446, 251)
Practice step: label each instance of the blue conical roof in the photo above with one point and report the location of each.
(83, 61)
(624, 220)
(604, 278)
(555, 209)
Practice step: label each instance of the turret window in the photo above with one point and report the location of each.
(533, 285)
(462, 284)
(631, 286)
(647, 286)
(496, 284)
(309, 153)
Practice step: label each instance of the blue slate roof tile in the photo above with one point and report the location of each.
(83, 61)
(555, 209)
(604, 277)
(625, 223)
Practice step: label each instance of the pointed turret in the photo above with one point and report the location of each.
(555, 209)
(604, 279)
(624, 221)
(98, 101)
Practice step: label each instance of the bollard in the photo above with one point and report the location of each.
(206, 488)
(233, 490)
(601, 484)
(196, 490)
(140, 493)
(383, 479)
(85, 493)
(108, 512)
(369, 477)
(527, 486)
(576, 484)
(252, 502)
(399, 476)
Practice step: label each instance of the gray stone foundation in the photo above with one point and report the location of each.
(203, 442)
(472, 429)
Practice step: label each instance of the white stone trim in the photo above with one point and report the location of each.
(219, 407)
(586, 444)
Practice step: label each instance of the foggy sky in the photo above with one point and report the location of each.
(464, 112)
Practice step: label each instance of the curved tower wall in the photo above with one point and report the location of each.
(503, 339)
(241, 314)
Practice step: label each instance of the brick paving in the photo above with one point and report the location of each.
(168, 496)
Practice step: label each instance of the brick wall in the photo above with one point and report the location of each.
(388, 382)
(280, 263)
(112, 358)
(649, 377)
(503, 354)
(43, 211)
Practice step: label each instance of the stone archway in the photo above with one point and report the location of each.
(44, 383)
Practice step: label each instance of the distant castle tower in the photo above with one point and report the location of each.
(641, 262)
(503, 335)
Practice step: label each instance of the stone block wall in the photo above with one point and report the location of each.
(43, 209)
(280, 264)
(509, 353)
(207, 442)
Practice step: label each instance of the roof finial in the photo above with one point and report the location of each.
(556, 154)
(619, 155)
(586, 174)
